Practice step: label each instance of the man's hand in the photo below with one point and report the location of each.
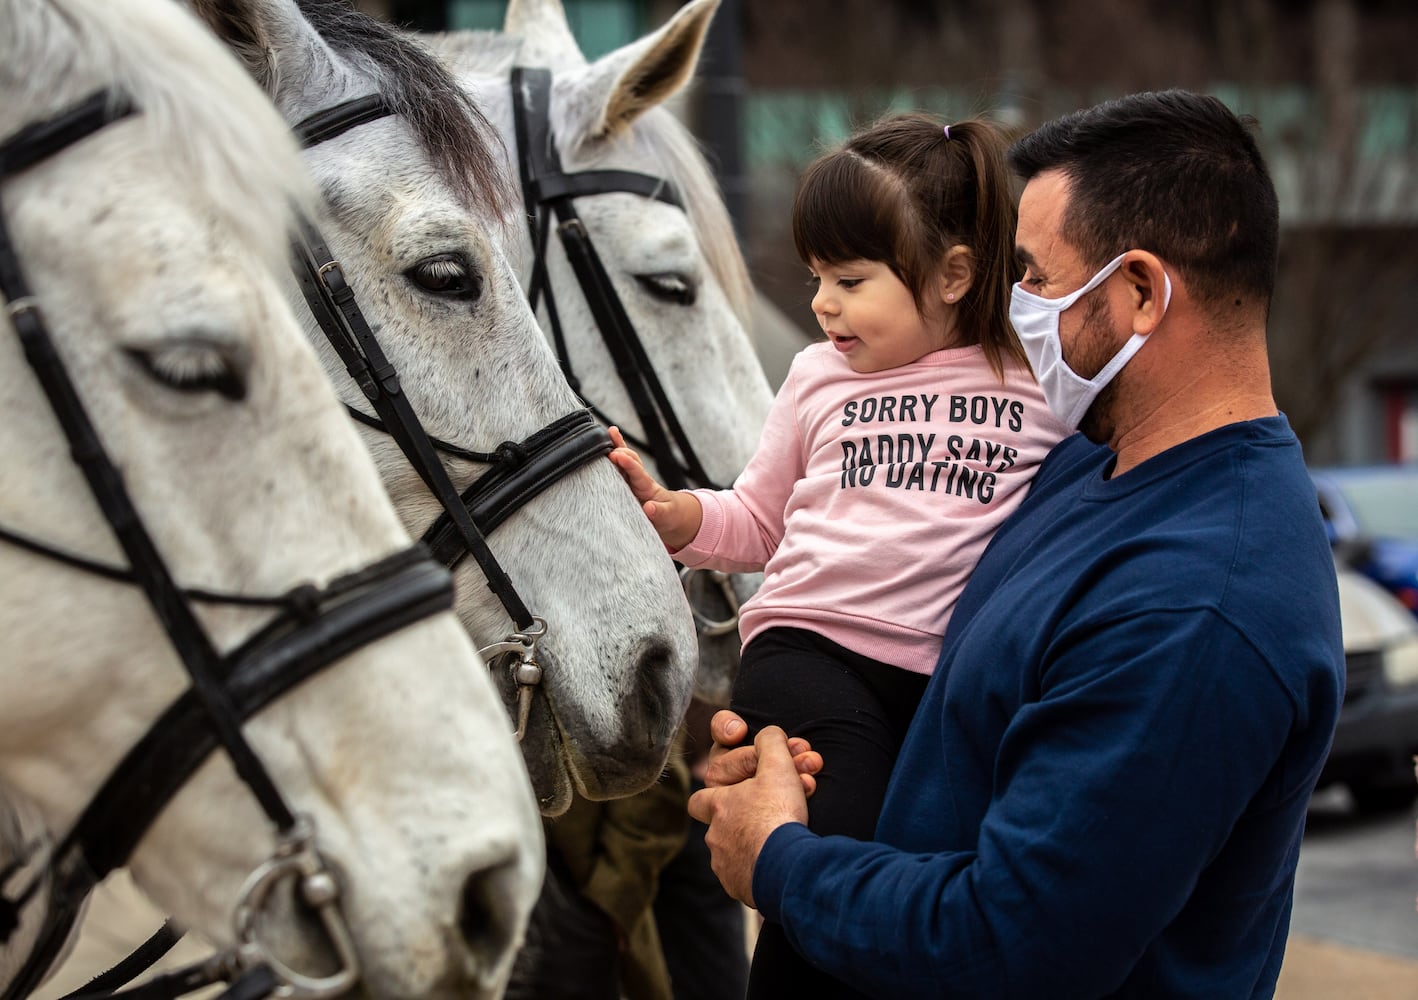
(730, 763)
(742, 815)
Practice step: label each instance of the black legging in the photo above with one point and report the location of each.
(855, 712)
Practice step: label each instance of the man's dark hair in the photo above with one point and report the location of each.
(1172, 172)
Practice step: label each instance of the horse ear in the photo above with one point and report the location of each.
(633, 79)
(545, 33)
(271, 37)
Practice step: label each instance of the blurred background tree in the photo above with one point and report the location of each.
(1333, 84)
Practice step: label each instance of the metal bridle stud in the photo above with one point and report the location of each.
(519, 651)
(296, 858)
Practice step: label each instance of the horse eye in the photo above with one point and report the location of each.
(191, 367)
(669, 286)
(446, 274)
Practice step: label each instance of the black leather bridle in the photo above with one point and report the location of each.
(549, 190)
(314, 627)
(519, 470)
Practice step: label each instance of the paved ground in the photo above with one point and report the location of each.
(1322, 970)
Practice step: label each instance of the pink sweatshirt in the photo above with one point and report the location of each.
(871, 497)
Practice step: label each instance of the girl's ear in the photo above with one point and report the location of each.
(957, 273)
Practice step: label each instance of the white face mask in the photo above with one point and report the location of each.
(1036, 321)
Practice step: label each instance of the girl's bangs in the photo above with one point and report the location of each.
(845, 210)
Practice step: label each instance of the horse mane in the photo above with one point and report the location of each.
(451, 129)
(54, 53)
(658, 138)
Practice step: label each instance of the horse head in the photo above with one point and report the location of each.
(673, 262)
(176, 410)
(416, 207)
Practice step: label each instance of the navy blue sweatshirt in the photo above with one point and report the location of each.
(1104, 789)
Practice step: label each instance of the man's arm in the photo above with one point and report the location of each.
(1114, 791)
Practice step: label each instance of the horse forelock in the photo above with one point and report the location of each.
(453, 132)
(194, 99)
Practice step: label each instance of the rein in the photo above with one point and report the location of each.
(314, 627)
(547, 190)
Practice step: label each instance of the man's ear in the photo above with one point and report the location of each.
(1149, 290)
(957, 274)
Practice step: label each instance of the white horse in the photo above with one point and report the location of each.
(151, 246)
(416, 209)
(677, 271)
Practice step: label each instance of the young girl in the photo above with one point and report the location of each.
(891, 454)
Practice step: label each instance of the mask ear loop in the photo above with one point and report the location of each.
(1125, 354)
(1063, 302)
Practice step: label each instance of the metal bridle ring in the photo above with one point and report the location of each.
(296, 858)
(709, 626)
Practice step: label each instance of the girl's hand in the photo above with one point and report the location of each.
(632, 469)
(674, 514)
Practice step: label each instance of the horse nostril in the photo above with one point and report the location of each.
(654, 669)
(487, 915)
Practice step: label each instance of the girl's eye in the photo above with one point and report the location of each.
(446, 274)
(849, 282)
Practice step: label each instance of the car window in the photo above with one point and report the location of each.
(1385, 507)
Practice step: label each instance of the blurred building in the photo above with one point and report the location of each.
(1333, 84)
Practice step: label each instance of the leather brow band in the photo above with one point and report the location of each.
(551, 186)
(341, 118)
(37, 142)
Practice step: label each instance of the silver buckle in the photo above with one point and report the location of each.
(24, 304)
(520, 649)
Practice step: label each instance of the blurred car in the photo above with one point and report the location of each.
(1371, 513)
(1377, 736)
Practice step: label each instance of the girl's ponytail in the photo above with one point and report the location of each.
(992, 239)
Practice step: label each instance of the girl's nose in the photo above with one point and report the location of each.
(822, 303)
